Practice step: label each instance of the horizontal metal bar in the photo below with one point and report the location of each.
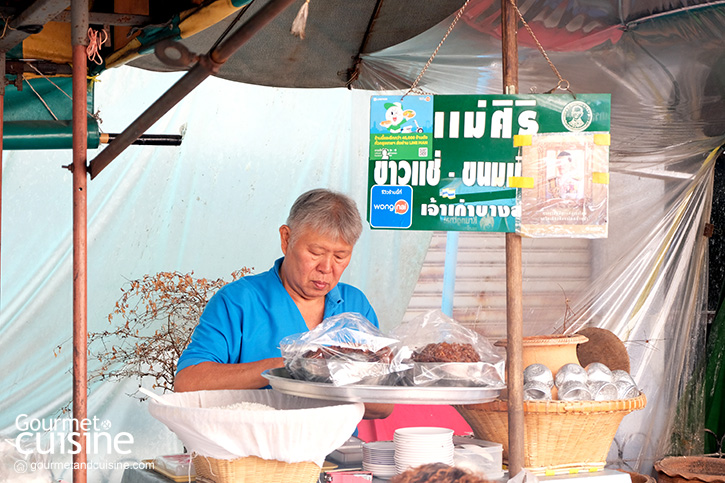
(162, 105)
(115, 19)
(36, 15)
(18, 67)
(148, 139)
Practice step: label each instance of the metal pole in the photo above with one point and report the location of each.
(206, 66)
(514, 279)
(449, 273)
(2, 117)
(79, 41)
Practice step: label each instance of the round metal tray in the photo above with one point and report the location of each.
(281, 381)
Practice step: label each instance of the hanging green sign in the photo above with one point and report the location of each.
(484, 162)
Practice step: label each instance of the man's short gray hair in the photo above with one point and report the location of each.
(327, 212)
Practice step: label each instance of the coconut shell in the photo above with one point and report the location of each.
(603, 346)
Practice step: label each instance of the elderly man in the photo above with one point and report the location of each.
(239, 332)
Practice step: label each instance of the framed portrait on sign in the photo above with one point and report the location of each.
(566, 192)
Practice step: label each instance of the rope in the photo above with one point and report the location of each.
(41, 98)
(299, 24)
(6, 25)
(48, 79)
(95, 44)
(562, 81)
(414, 86)
(96, 116)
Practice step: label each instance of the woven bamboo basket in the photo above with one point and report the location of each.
(252, 469)
(557, 434)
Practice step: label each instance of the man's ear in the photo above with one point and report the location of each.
(284, 236)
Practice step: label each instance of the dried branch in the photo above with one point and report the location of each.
(154, 319)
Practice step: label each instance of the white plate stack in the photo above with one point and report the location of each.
(422, 445)
(379, 459)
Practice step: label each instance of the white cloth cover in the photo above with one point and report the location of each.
(301, 429)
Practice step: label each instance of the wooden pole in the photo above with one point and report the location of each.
(79, 41)
(514, 279)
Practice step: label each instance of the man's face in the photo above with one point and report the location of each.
(313, 263)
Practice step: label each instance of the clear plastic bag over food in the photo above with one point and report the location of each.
(442, 352)
(343, 349)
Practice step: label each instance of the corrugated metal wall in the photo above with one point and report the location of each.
(553, 270)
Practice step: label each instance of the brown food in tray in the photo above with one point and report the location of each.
(354, 353)
(446, 352)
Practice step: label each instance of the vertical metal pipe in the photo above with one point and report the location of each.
(2, 119)
(514, 279)
(449, 273)
(79, 41)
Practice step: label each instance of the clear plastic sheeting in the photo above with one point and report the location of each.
(214, 204)
(647, 282)
(211, 206)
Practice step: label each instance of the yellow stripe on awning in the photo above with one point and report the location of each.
(125, 54)
(206, 17)
(192, 21)
(52, 43)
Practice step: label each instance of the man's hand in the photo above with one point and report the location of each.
(377, 410)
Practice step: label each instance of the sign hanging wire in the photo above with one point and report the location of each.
(414, 86)
(563, 83)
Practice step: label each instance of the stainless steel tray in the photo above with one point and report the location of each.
(281, 381)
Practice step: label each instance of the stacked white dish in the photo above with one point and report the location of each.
(422, 445)
(379, 459)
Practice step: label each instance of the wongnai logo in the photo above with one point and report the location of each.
(390, 206)
(576, 116)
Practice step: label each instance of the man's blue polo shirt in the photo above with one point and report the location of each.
(245, 320)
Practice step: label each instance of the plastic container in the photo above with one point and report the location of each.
(485, 458)
(175, 465)
(349, 453)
